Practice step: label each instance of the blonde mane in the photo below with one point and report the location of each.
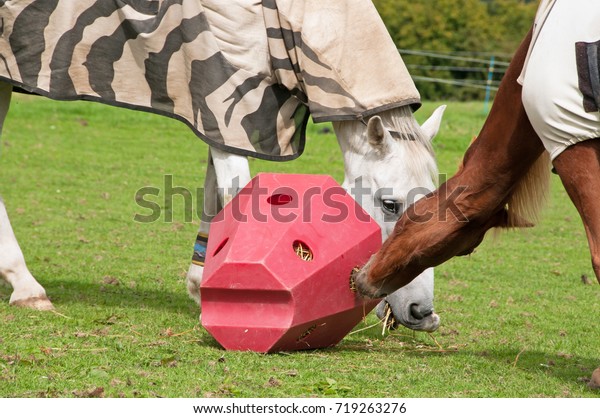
(531, 193)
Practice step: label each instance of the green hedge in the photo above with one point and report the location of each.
(474, 29)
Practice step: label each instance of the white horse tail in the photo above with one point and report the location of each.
(531, 193)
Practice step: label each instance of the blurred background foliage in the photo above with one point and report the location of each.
(450, 46)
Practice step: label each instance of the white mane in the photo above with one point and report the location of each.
(408, 134)
(418, 147)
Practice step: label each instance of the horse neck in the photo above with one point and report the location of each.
(504, 164)
(351, 136)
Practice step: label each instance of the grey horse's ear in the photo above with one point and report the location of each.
(432, 125)
(376, 132)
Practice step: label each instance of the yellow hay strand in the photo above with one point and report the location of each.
(389, 322)
(352, 282)
(306, 333)
(303, 252)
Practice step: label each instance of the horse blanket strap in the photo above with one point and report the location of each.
(588, 71)
(200, 249)
(244, 75)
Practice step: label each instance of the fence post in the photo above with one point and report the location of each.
(489, 84)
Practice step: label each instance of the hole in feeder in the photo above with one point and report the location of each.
(302, 251)
(352, 282)
(306, 333)
(221, 246)
(279, 199)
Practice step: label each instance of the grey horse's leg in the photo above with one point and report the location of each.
(226, 175)
(27, 291)
(210, 208)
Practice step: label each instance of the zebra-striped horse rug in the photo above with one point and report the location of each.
(244, 75)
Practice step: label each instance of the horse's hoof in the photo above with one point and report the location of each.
(40, 303)
(194, 278)
(595, 380)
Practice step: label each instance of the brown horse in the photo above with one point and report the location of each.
(498, 169)
(501, 183)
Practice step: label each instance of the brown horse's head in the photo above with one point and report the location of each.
(444, 224)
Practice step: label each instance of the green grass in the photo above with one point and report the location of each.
(517, 321)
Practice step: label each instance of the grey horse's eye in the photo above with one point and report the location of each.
(392, 206)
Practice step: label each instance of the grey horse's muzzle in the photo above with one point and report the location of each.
(413, 316)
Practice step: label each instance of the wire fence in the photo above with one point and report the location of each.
(463, 69)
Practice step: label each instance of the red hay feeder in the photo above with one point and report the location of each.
(278, 265)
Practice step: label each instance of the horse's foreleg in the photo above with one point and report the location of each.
(26, 290)
(210, 208)
(226, 175)
(232, 172)
(579, 169)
